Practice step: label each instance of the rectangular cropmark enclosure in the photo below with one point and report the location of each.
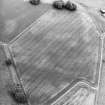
(57, 49)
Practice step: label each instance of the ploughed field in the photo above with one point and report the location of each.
(59, 48)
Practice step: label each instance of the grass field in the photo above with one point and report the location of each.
(15, 16)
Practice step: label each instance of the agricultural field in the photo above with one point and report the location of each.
(15, 16)
(56, 54)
